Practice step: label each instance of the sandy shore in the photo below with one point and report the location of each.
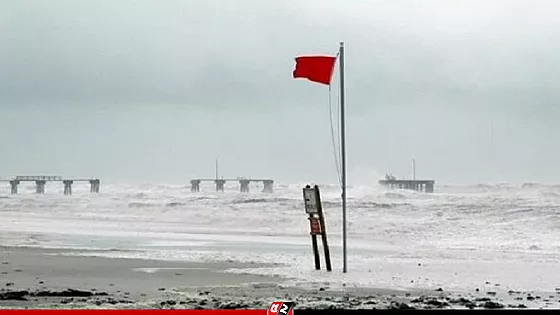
(49, 278)
(127, 280)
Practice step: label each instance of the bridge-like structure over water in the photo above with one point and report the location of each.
(243, 184)
(41, 181)
(418, 185)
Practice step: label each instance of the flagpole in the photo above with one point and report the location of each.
(343, 153)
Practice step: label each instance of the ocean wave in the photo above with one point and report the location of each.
(374, 205)
(520, 211)
(531, 185)
(262, 200)
(394, 195)
(139, 195)
(142, 205)
(204, 198)
(453, 216)
(175, 204)
(550, 194)
(330, 204)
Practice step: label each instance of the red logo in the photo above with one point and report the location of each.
(281, 308)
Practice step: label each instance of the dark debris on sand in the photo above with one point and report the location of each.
(67, 296)
(324, 299)
(249, 298)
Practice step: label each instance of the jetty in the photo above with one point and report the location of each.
(243, 184)
(425, 185)
(418, 185)
(41, 181)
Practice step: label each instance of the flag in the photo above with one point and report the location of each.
(315, 68)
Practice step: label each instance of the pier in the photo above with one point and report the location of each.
(418, 185)
(41, 181)
(243, 184)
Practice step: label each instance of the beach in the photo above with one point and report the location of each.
(49, 278)
(161, 246)
(44, 272)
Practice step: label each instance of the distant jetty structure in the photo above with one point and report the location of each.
(243, 184)
(426, 185)
(41, 181)
(418, 185)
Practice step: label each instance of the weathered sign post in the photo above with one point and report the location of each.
(313, 207)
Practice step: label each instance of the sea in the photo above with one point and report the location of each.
(461, 237)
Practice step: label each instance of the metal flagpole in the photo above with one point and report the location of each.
(343, 153)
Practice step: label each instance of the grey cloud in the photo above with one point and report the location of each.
(159, 88)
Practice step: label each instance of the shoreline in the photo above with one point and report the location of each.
(34, 277)
(40, 272)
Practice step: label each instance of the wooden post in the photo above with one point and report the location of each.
(314, 244)
(313, 207)
(323, 229)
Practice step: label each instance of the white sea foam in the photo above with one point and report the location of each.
(462, 236)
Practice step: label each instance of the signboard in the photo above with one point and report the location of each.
(312, 201)
(315, 226)
(309, 197)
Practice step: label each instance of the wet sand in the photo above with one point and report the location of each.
(51, 278)
(132, 280)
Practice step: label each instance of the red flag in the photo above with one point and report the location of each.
(315, 68)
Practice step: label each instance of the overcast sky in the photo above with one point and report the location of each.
(134, 91)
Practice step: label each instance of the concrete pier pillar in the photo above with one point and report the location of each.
(244, 185)
(14, 184)
(430, 188)
(67, 187)
(220, 184)
(268, 186)
(195, 185)
(40, 186)
(94, 186)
